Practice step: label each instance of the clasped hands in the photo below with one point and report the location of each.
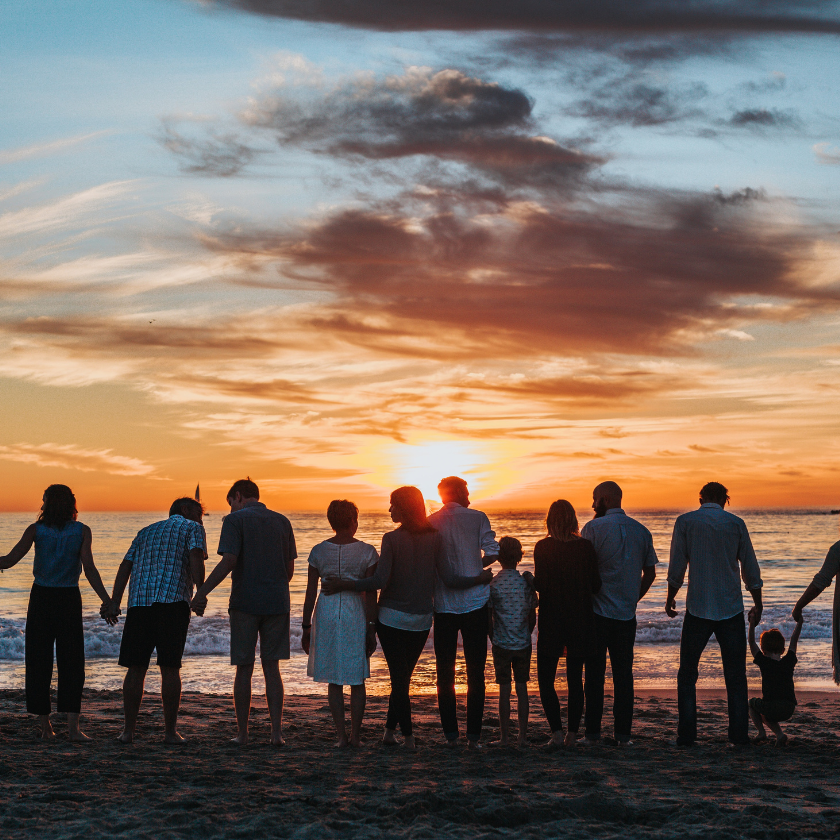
(198, 604)
(109, 611)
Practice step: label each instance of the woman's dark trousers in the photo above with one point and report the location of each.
(54, 619)
(549, 651)
(402, 649)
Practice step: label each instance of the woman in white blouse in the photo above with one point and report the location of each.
(341, 636)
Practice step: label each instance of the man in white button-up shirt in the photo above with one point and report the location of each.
(467, 533)
(717, 547)
(627, 567)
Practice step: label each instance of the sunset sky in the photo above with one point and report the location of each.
(344, 245)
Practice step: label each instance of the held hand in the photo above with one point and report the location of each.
(671, 607)
(754, 616)
(370, 641)
(305, 638)
(199, 604)
(485, 577)
(109, 612)
(796, 614)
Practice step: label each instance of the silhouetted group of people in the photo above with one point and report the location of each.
(432, 572)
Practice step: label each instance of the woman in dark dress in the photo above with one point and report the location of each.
(566, 577)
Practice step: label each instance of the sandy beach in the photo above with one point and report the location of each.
(308, 789)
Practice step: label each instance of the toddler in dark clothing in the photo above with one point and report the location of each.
(778, 700)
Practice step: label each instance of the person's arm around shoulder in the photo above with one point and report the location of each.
(20, 550)
(755, 650)
(107, 610)
(447, 574)
(822, 579)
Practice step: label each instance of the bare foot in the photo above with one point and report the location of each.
(78, 737)
(240, 740)
(410, 743)
(781, 740)
(45, 730)
(355, 743)
(277, 741)
(174, 738)
(570, 739)
(522, 741)
(451, 743)
(342, 744)
(502, 742)
(474, 745)
(760, 739)
(389, 740)
(126, 737)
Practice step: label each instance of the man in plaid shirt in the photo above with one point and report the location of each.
(164, 562)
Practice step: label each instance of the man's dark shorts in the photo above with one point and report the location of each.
(161, 626)
(775, 711)
(505, 660)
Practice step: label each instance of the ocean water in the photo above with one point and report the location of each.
(791, 545)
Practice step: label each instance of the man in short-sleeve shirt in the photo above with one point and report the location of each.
(165, 561)
(258, 551)
(627, 566)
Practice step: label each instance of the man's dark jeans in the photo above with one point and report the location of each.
(473, 629)
(618, 639)
(732, 639)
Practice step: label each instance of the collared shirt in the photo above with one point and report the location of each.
(512, 598)
(264, 543)
(466, 533)
(160, 562)
(624, 547)
(711, 543)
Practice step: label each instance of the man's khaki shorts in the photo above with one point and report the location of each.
(273, 632)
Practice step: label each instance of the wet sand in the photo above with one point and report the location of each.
(208, 789)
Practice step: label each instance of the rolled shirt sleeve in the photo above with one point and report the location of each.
(488, 538)
(678, 561)
(830, 568)
(750, 572)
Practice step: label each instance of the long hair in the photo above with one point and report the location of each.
(561, 521)
(59, 506)
(411, 507)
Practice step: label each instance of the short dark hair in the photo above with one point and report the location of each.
(772, 641)
(715, 492)
(246, 487)
(186, 505)
(341, 514)
(59, 506)
(452, 485)
(509, 548)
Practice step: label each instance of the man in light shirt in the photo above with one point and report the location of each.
(714, 543)
(466, 533)
(627, 566)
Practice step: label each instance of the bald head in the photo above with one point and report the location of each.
(605, 496)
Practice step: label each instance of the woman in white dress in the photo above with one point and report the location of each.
(341, 635)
